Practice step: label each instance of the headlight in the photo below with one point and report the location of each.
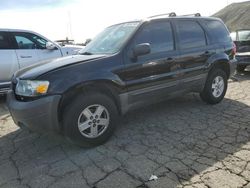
(31, 88)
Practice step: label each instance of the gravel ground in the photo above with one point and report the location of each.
(184, 142)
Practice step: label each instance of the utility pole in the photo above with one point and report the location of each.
(69, 26)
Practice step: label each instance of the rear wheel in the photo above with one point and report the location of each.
(90, 119)
(215, 87)
(241, 68)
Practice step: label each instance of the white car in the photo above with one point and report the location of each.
(22, 48)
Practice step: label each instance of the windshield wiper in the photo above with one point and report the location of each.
(86, 53)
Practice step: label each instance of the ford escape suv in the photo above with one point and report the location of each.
(126, 66)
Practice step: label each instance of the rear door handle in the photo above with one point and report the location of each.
(28, 56)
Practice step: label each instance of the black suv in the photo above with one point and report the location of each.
(127, 65)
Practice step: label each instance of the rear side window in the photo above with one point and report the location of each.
(217, 31)
(190, 34)
(158, 34)
(4, 41)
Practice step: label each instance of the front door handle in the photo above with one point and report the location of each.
(207, 53)
(170, 59)
(28, 56)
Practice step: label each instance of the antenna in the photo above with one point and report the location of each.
(171, 14)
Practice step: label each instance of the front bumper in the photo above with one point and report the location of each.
(39, 115)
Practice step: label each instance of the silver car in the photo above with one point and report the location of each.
(22, 48)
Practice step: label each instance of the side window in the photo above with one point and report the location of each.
(158, 34)
(4, 41)
(24, 43)
(29, 41)
(190, 34)
(217, 31)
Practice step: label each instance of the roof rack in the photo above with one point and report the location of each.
(171, 14)
(196, 15)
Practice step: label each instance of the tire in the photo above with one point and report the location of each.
(214, 93)
(82, 111)
(240, 68)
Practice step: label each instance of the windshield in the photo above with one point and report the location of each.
(111, 39)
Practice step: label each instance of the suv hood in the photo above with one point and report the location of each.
(43, 67)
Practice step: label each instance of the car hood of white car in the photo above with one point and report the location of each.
(71, 49)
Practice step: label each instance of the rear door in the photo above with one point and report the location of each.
(8, 59)
(192, 43)
(154, 74)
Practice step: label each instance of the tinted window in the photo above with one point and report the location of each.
(4, 41)
(158, 35)
(29, 41)
(190, 34)
(217, 31)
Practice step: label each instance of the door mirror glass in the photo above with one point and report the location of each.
(141, 49)
(50, 46)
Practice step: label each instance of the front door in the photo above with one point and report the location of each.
(154, 74)
(31, 49)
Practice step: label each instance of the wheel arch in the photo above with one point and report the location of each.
(106, 87)
(222, 64)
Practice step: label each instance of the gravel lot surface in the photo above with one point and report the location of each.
(184, 142)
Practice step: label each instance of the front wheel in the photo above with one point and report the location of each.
(215, 87)
(90, 119)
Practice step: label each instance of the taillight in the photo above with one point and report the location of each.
(234, 50)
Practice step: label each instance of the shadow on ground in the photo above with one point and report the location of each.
(245, 75)
(3, 108)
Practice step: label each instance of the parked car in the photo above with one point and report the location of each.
(241, 39)
(21, 48)
(127, 65)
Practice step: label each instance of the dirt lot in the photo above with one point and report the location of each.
(184, 142)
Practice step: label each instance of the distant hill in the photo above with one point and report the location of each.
(236, 15)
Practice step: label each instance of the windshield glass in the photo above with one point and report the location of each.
(244, 35)
(110, 40)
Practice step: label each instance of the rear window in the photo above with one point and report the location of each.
(244, 35)
(190, 34)
(4, 41)
(217, 31)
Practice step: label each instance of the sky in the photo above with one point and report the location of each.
(82, 19)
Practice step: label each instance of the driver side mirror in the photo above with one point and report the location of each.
(140, 50)
(50, 46)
